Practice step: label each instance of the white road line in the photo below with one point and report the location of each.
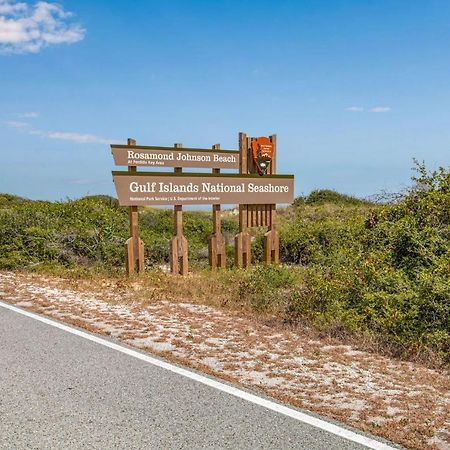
(265, 403)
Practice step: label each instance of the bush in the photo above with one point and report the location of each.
(89, 232)
(386, 274)
(323, 196)
(267, 288)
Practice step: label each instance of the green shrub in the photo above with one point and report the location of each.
(90, 232)
(323, 196)
(267, 288)
(387, 273)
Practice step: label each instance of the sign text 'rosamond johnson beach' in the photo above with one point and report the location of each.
(201, 189)
(136, 155)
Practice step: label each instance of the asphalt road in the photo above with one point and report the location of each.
(59, 390)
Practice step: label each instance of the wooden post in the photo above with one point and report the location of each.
(242, 256)
(272, 238)
(178, 244)
(216, 242)
(134, 246)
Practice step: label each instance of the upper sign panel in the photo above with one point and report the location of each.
(137, 155)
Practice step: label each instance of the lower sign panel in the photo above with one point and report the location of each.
(134, 189)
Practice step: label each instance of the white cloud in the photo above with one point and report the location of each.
(71, 136)
(12, 8)
(28, 115)
(380, 109)
(376, 109)
(79, 138)
(74, 137)
(16, 124)
(83, 181)
(28, 29)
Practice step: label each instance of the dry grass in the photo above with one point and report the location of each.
(222, 290)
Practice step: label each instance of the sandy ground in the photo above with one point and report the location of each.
(404, 402)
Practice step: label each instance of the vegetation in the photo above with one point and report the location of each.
(351, 266)
(89, 233)
(324, 196)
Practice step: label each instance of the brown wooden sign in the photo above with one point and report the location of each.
(137, 155)
(262, 152)
(148, 188)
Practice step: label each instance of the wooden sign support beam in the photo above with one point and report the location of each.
(272, 238)
(216, 242)
(242, 254)
(178, 244)
(134, 246)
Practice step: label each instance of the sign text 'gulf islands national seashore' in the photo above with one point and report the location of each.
(201, 189)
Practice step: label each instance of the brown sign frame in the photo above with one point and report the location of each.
(252, 213)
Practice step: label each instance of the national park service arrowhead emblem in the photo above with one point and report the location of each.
(262, 151)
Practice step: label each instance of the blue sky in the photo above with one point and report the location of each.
(354, 89)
